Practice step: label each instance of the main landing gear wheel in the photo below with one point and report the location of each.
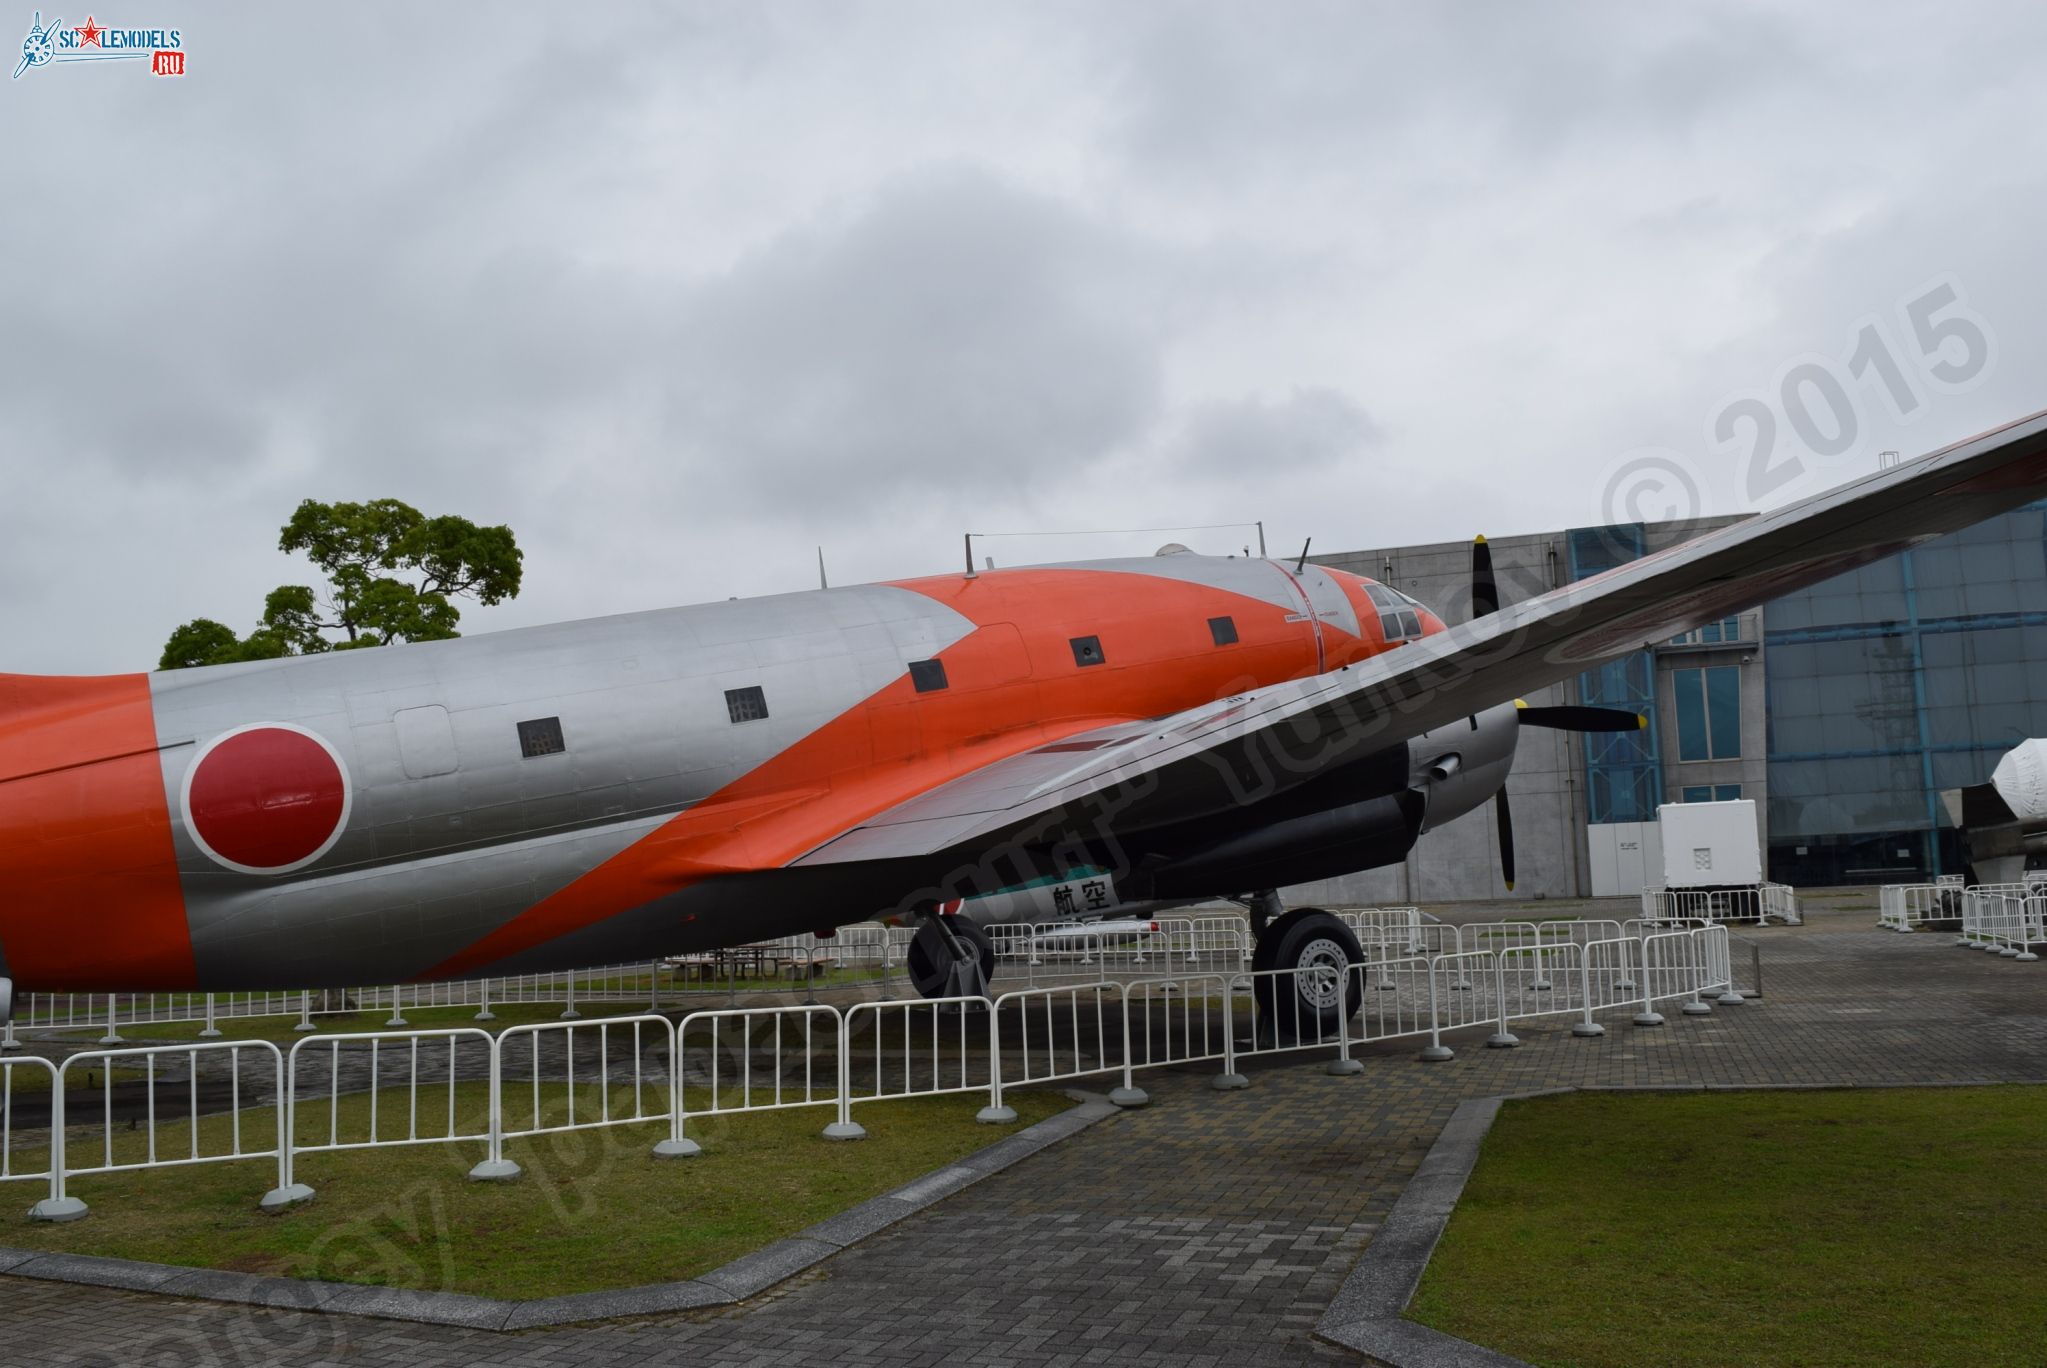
(951, 957)
(1305, 1006)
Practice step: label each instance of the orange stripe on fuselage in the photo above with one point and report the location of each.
(1011, 684)
(89, 893)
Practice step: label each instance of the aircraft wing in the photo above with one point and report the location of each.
(1258, 744)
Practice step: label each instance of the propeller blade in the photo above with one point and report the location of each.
(1485, 589)
(1574, 719)
(1505, 818)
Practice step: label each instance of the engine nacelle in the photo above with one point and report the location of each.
(1461, 766)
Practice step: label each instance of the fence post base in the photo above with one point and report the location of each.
(1730, 998)
(58, 1210)
(485, 1015)
(1502, 1040)
(1129, 1097)
(1648, 1018)
(1343, 1068)
(1000, 1116)
(684, 1148)
(1437, 1054)
(1698, 1007)
(2026, 957)
(1229, 1082)
(1585, 1030)
(845, 1130)
(283, 1198)
(494, 1171)
(209, 1033)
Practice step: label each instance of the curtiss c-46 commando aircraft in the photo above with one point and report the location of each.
(1179, 727)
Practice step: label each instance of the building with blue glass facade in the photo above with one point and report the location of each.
(1842, 710)
(1910, 676)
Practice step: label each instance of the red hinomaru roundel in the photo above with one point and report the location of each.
(266, 799)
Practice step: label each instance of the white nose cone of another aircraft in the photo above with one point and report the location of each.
(2021, 780)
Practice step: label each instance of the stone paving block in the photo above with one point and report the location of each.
(428, 1308)
(249, 1288)
(762, 1269)
(93, 1271)
(631, 1301)
(857, 1223)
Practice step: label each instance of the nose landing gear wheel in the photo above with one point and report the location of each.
(959, 964)
(1308, 1005)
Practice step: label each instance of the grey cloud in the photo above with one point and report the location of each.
(952, 333)
(1300, 435)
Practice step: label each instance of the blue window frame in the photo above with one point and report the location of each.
(1713, 633)
(1710, 793)
(1708, 712)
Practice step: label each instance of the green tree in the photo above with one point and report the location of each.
(391, 573)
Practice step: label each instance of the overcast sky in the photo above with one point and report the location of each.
(681, 291)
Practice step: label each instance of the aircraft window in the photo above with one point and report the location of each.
(541, 736)
(1399, 626)
(928, 675)
(1087, 650)
(746, 705)
(1223, 630)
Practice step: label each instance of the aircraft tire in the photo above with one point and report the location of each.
(927, 972)
(1305, 1007)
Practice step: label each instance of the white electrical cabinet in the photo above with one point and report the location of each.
(1710, 845)
(1627, 857)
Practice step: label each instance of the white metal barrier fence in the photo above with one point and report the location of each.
(2007, 919)
(1758, 903)
(175, 1105)
(860, 949)
(1907, 907)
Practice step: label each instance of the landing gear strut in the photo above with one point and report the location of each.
(1309, 1004)
(951, 957)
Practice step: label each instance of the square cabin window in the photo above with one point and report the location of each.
(1223, 631)
(1087, 650)
(927, 675)
(746, 705)
(541, 736)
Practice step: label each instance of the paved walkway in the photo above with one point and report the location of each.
(1208, 1229)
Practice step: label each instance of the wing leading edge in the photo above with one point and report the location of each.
(1262, 743)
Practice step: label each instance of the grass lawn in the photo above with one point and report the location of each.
(593, 1210)
(1903, 1226)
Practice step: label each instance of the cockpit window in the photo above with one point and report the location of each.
(1399, 615)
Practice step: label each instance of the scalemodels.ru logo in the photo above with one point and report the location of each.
(163, 49)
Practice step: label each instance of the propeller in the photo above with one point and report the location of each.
(1485, 588)
(1485, 601)
(1504, 818)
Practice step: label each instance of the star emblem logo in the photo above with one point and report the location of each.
(89, 35)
